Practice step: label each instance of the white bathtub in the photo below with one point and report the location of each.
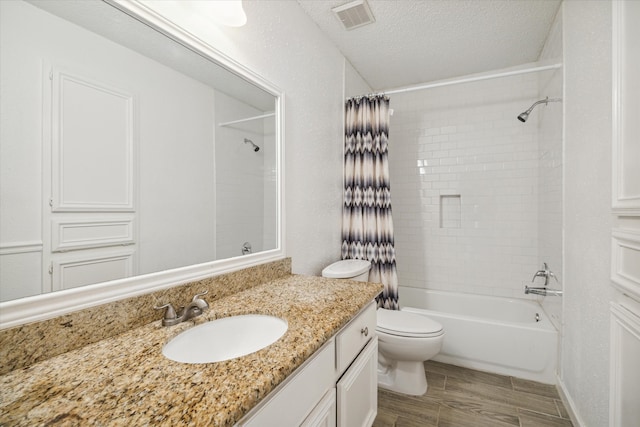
(493, 334)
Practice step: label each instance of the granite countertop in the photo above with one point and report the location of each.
(125, 380)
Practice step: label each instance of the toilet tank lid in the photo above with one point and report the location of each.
(346, 268)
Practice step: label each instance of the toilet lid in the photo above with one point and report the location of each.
(346, 268)
(405, 324)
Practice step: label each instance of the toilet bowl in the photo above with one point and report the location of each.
(405, 340)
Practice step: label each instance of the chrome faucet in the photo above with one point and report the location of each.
(546, 273)
(544, 291)
(196, 307)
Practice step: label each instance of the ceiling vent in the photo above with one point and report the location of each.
(354, 14)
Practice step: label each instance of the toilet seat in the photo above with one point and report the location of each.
(405, 324)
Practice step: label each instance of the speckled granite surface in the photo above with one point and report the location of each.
(125, 380)
(25, 345)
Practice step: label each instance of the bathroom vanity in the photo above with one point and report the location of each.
(336, 386)
(321, 372)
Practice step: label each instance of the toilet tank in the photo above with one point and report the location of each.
(353, 269)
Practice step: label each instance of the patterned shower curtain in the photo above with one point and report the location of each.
(367, 227)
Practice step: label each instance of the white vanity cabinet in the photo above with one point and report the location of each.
(337, 386)
(324, 414)
(357, 390)
(291, 402)
(357, 386)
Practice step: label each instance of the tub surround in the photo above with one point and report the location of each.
(27, 344)
(125, 379)
(506, 336)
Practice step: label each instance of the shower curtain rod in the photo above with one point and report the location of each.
(473, 79)
(248, 119)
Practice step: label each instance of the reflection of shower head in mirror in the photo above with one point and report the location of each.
(525, 115)
(181, 122)
(255, 147)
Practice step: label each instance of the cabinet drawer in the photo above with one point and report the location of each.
(354, 337)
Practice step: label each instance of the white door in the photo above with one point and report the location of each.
(624, 404)
(89, 221)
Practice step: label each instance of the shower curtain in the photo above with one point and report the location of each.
(367, 227)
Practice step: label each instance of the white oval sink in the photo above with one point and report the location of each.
(225, 338)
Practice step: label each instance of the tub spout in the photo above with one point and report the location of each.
(542, 291)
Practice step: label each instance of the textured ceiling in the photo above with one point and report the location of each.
(417, 41)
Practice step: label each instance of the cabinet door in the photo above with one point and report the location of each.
(358, 389)
(324, 414)
(297, 397)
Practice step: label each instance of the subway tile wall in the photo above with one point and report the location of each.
(550, 122)
(463, 145)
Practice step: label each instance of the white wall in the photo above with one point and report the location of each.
(354, 84)
(283, 45)
(270, 188)
(171, 158)
(587, 207)
(550, 167)
(240, 188)
(20, 163)
(177, 193)
(465, 140)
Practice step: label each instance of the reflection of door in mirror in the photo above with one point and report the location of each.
(91, 212)
(104, 115)
(117, 162)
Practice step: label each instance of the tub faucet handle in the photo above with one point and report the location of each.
(546, 273)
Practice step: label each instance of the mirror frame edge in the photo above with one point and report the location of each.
(46, 306)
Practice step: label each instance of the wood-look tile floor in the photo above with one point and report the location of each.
(461, 397)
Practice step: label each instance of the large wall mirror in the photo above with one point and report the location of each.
(133, 156)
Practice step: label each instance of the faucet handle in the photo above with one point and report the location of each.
(539, 273)
(199, 302)
(170, 314)
(197, 296)
(546, 273)
(542, 273)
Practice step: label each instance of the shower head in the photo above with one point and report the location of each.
(255, 147)
(524, 116)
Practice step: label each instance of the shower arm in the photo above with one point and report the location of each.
(255, 147)
(543, 101)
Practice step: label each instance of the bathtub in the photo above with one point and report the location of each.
(506, 336)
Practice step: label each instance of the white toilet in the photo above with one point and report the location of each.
(405, 340)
